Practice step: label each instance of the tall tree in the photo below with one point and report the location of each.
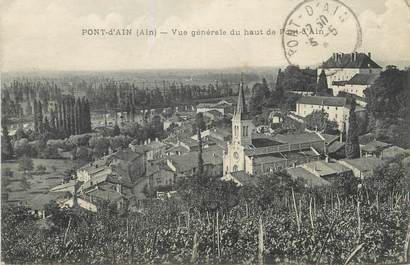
(65, 117)
(322, 88)
(352, 148)
(200, 158)
(40, 117)
(6, 146)
(73, 116)
(87, 116)
(257, 99)
(199, 122)
(35, 117)
(78, 117)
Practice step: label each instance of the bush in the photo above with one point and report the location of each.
(40, 169)
(25, 164)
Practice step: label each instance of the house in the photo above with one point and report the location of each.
(176, 150)
(118, 171)
(327, 170)
(128, 163)
(258, 154)
(362, 167)
(336, 107)
(152, 149)
(93, 170)
(83, 203)
(37, 203)
(310, 179)
(350, 72)
(356, 85)
(106, 185)
(161, 176)
(222, 107)
(187, 164)
(213, 115)
(174, 120)
(374, 148)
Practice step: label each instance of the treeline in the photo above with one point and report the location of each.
(63, 118)
(129, 97)
(17, 97)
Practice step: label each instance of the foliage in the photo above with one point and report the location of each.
(322, 88)
(319, 120)
(49, 151)
(41, 169)
(99, 145)
(259, 92)
(352, 142)
(82, 153)
(294, 78)
(116, 130)
(199, 122)
(163, 233)
(25, 164)
(6, 145)
(388, 106)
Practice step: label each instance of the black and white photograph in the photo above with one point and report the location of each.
(205, 132)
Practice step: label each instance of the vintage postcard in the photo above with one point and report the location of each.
(205, 132)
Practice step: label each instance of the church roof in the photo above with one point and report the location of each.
(350, 60)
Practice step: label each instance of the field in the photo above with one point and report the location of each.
(23, 187)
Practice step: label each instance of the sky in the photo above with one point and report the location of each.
(44, 35)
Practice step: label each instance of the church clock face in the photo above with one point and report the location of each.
(236, 155)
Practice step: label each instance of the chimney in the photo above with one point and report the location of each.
(334, 56)
(352, 57)
(370, 55)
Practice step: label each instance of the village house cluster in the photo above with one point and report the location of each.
(237, 153)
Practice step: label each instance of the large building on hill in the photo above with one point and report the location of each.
(336, 107)
(350, 72)
(256, 154)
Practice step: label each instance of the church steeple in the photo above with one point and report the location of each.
(241, 105)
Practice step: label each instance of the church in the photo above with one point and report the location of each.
(255, 154)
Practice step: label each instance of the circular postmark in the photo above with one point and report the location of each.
(317, 28)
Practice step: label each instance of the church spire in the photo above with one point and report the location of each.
(241, 106)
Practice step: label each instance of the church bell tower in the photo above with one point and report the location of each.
(241, 123)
